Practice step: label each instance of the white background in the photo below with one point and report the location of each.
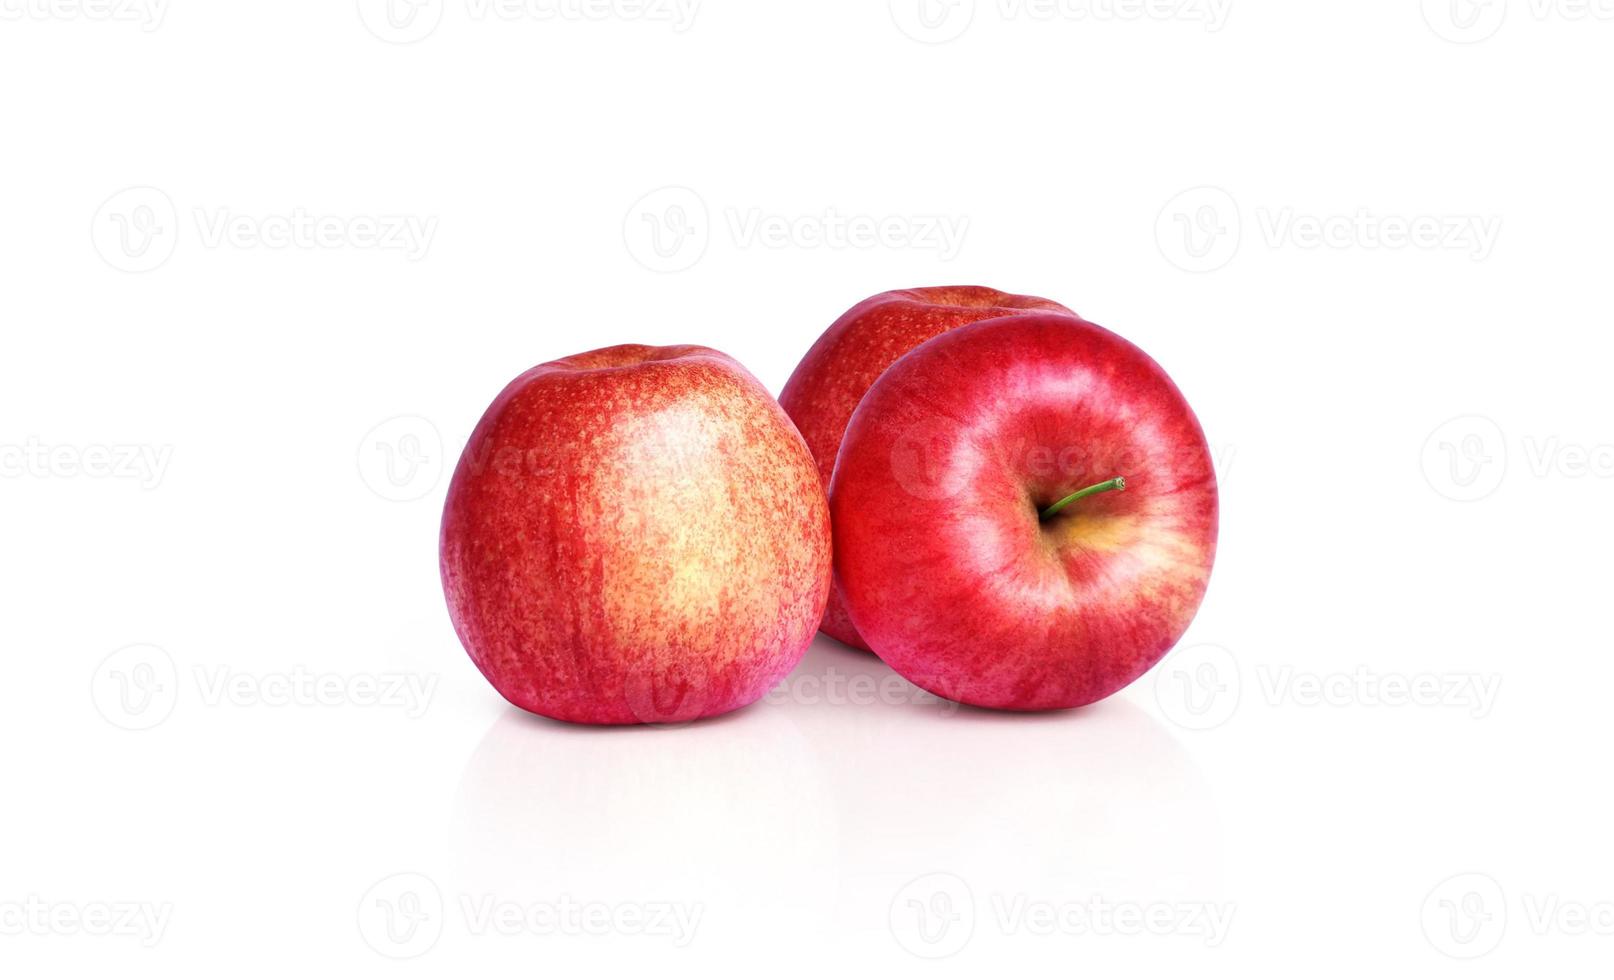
(232, 698)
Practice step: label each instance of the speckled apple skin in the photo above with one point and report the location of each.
(836, 373)
(948, 570)
(635, 535)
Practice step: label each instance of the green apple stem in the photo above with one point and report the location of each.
(1119, 483)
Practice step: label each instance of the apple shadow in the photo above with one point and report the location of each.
(815, 805)
(1102, 799)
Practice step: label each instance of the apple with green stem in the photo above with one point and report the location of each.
(1025, 514)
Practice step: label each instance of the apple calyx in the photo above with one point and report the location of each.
(1119, 483)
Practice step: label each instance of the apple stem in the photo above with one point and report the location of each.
(1119, 483)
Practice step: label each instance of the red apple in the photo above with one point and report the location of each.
(830, 381)
(958, 564)
(636, 534)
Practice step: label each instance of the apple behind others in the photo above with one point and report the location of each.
(837, 372)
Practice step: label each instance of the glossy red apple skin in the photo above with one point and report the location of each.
(839, 369)
(635, 535)
(949, 571)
